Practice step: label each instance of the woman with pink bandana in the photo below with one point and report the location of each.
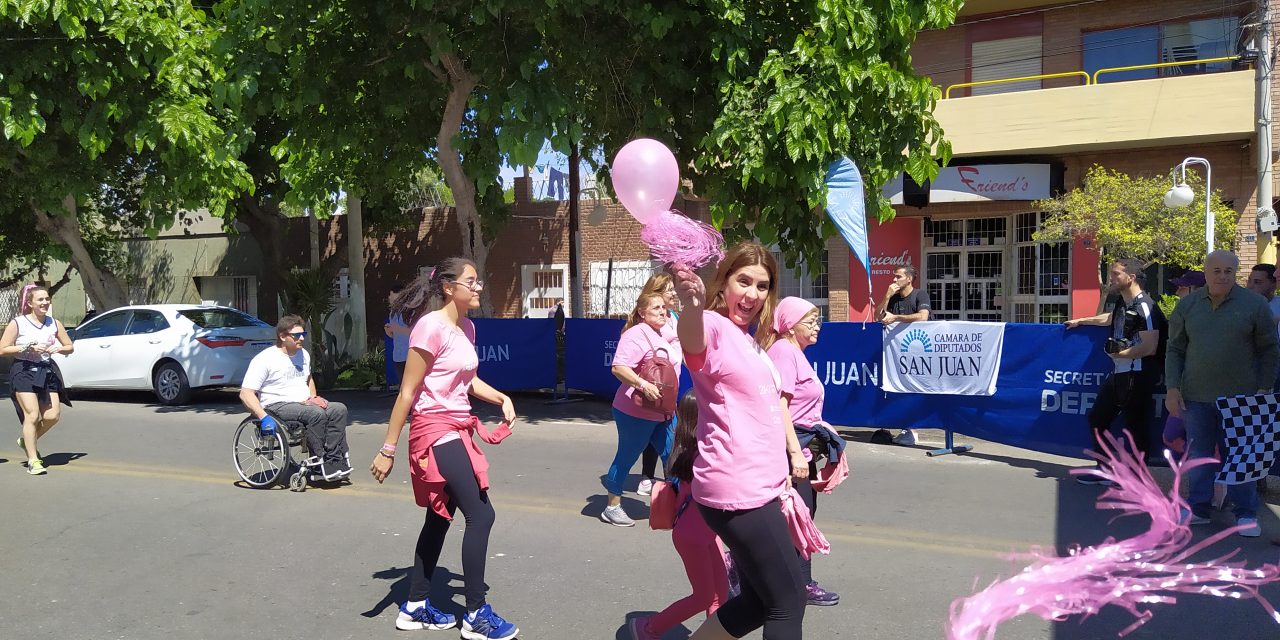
(795, 327)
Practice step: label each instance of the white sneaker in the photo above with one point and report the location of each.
(1251, 528)
(645, 488)
(907, 438)
(617, 517)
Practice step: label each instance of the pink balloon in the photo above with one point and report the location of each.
(646, 178)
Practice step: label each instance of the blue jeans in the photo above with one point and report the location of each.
(634, 435)
(1204, 434)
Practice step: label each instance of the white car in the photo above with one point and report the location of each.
(168, 348)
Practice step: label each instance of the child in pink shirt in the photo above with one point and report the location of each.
(694, 541)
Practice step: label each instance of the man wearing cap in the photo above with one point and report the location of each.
(1187, 282)
(1222, 342)
(1135, 344)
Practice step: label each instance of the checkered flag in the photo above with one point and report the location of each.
(1252, 442)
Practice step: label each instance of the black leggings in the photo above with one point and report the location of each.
(772, 594)
(464, 493)
(649, 463)
(810, 498)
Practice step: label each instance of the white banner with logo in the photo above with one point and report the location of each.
(954, 358)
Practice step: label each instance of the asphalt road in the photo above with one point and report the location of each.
(141, 531)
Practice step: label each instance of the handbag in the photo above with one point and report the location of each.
(665, 508)
(661, 373)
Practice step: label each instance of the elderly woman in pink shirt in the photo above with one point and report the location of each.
(795, 327)
(747, 450)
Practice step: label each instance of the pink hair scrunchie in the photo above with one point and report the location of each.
(791, 310)
(24, 306)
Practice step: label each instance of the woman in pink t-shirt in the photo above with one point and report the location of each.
(448, 470)
(795, 327)
(646, 334)
(747, 451)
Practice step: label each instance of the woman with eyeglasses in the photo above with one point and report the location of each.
(648, 335)
(659, 284)
(448, 469)
(795, 327)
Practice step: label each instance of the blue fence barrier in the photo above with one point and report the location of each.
(1048, 378)
(517, 354)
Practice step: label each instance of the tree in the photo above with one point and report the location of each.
(97, 91)
(758, 99)
(1126, 218)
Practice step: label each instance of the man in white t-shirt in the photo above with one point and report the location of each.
(279, 379)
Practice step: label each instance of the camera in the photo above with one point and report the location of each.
(1116, 345)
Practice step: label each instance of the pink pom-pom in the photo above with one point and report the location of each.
(674, 238)
(1147, 569)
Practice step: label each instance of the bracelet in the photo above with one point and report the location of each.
(388, 447)
(389, 456)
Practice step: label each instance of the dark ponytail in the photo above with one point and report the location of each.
(426, 293)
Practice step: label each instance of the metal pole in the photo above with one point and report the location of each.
(575, 242)
(608, 287)
(1262, 107)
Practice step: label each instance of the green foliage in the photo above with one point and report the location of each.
(756, 99)
(367, 372)
(1166, 303)
(92, 90)
(1127, 218)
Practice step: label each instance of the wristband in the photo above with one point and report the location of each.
(389, 448)
(389, 456)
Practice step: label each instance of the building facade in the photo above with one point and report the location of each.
(1035, 94)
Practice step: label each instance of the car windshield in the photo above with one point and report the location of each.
(221, 318)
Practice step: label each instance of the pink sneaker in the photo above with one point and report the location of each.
(639, 627)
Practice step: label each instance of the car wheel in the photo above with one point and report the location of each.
(170, 384)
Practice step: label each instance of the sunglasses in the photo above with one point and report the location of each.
(298, 335)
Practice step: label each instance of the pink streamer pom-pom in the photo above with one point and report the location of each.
(1147, 569)
(674, 238)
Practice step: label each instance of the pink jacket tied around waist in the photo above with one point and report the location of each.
(428, 484)
(804, 534)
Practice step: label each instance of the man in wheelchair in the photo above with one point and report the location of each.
(279, 380)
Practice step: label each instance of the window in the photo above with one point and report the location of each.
(803, 282)
(104, 326)
(614, 292)
(542, 286)
(221, 318)
(240, 292)
(1168, 42)
(342, 285)
(1005, 58)
(147, 322)
(964, 271)
(1041, 288)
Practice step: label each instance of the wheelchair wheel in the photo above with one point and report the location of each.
(261, 460)
(298, 481)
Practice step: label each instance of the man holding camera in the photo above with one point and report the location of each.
(1136, 347)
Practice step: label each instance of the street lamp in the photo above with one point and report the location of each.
(1181, 195)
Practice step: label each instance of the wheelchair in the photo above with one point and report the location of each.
(264, 460)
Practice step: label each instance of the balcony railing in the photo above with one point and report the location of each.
(1088, 80)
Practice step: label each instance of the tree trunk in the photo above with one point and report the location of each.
(267, 229)
(102, 286)
(461, 83)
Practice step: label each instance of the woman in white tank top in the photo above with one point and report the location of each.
(32, 338)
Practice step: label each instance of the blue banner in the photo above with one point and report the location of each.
(516, 354)
(589, 347)
(588, 354)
